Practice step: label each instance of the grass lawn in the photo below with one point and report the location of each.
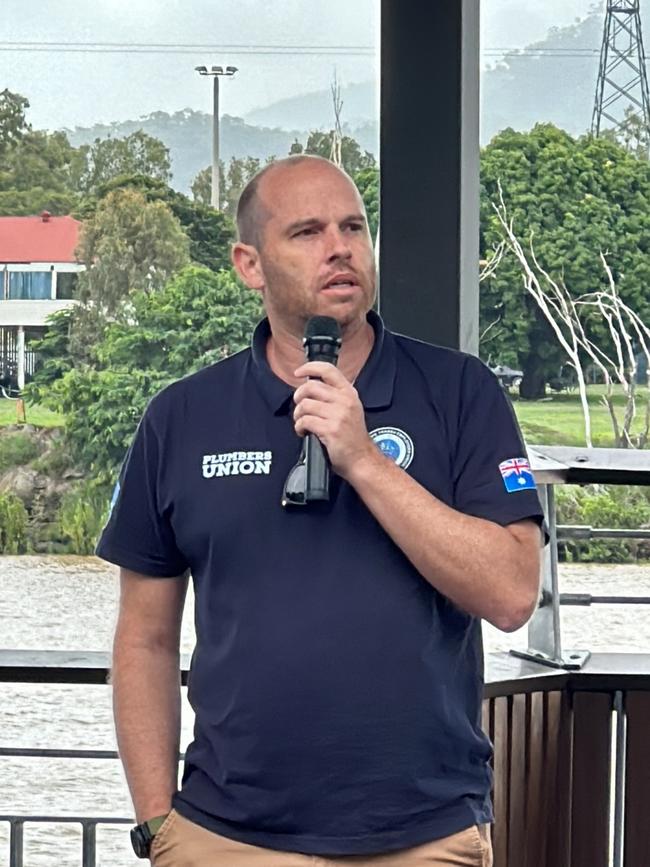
(36, 415)
(558, 419)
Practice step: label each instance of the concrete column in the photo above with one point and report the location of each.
(429, 156)
(20, 355)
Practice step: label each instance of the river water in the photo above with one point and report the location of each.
(69, 603)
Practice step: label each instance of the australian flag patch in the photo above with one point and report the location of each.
(517, 475)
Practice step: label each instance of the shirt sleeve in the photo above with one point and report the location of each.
(492, 477)
(138, 534)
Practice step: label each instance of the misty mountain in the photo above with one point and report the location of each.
(314, 110)
(518, 91)
(188, 135)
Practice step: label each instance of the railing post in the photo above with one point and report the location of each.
(544, 629)
(89, 843)
(16, 843)
(619, 780)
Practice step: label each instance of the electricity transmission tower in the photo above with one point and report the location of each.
(623, 77)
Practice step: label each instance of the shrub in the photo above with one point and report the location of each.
(55, 462)
(82, 515)
(13, 525)
(604, 506)
(16, 450)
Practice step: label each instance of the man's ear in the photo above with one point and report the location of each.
(246, 261)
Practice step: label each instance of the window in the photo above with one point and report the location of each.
(66, 284)
(30, 285)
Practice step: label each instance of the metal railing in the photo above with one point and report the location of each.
(563, 465)
(569, 731)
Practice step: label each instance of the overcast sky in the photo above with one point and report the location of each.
(81, 87)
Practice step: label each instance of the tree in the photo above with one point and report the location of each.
(197, 318)
(321, 144)
(367, 181)
(128, 245)
(634, 134)
(569, 318)
(38, 170)
(575, 197)
(135, 154)
(202, 185)
(13, 123)
(53, 353)
(210, 232)
(232, 181)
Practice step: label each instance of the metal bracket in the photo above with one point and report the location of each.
(544, 629)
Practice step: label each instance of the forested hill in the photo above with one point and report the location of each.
(518, 92)
(525, 89)
(187, 134)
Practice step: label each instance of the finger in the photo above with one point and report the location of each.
(311, 407)
(311, 424)
(315, 389)
(323, 370)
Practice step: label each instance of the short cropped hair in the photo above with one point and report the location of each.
(251, 213)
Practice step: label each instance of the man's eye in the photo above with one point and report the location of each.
(311, 230)
(355, 227)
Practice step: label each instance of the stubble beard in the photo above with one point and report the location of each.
(293, 307)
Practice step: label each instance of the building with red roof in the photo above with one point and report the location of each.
(38, 273)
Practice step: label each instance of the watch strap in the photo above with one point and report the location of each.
(154, 825)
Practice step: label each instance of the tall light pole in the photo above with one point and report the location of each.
(216, 72)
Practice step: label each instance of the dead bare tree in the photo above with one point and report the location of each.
(487, 269)
(569, 318)
(336, 155)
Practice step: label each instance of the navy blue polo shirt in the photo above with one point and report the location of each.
(337, 693)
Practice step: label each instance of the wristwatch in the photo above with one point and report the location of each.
(142, 835)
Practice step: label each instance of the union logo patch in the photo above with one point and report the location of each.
(396, 444)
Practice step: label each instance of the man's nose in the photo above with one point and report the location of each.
(338, 245)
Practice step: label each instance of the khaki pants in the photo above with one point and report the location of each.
(181, 843)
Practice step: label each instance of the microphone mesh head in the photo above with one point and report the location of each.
(322, 326)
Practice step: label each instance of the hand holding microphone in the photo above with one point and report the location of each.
(329, 410)
(322, 342)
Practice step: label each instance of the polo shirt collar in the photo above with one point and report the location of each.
(375, 383)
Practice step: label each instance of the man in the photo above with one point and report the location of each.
(337, 674)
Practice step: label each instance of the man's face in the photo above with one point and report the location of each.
(315, 253)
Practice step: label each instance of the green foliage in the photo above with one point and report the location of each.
(574, 198)
(633, 134)
(82, 515)
(16, 450)
(604, 506)
(196, 319)
(43, 171)
(38, 170)
(53, 352)
(210, 232)
(135, 154)
(13, 124)
(367, 180)
(232, 181)
(128, 245)
(25, 203)
(353, 159)
(13, 525)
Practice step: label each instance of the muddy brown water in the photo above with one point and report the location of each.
(69, 603)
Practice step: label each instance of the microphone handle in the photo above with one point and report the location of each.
(317, 470)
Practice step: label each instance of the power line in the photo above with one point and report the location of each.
(151, 47)
(134, 48)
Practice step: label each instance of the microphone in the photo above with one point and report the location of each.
(322, 342)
